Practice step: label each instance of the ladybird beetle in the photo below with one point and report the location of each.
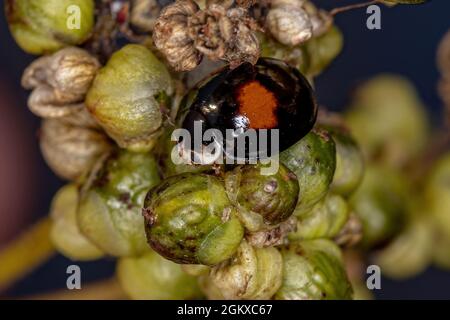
(269, 95)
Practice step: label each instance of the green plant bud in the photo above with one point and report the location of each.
(323, 50)
(349, 164)
(409, 253)
(272, 196)
(251, 274)
(43, 26)
(388, 120)
(313, 160)
(325, 220)
(312, 57)
(65, 235)
(379, 202)
(313, 270)
(110, 208)
(190, 220)
(296, 56)
(126, 97)
(437, 193)
(151, 277)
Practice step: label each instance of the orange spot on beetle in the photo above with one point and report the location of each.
(258, 104)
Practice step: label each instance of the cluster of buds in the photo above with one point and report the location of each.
(184, 33)
(69, 139)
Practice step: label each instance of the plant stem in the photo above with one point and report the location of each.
(28, 251)
(108, 289)
(338, 10)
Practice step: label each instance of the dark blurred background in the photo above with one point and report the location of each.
(406, 45)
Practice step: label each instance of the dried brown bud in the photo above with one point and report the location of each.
(230, 3)
(171, 35)
(184, 33)
(206, 27)
(60, 82)
(243, 45)
(288, 22)
(80, 117)
(70, 151)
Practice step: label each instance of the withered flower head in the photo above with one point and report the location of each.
(60, 82)
(172, 38)
(292, 22)
(69, 150)
(288, 22)
(184, 34)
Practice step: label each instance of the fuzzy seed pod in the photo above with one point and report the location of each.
(124, 97)
(252, 274)
(325, 220)
(60, 82)
(43, 26)
(70, 151)
(109, 213)
(273, 196)
(151, 277)
(313, 160)
(190, 220)
(65, 234)
(313, 270)
(288, 22)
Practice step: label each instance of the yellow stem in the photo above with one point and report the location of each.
(109, 289)
(25, 253)
(338, 10)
